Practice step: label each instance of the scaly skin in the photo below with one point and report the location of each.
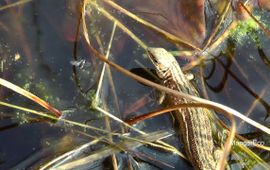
(194, 124)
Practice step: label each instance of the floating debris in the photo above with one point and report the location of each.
(78, 63)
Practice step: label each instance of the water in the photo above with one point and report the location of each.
(43, 35)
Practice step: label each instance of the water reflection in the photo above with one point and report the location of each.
(241, 75)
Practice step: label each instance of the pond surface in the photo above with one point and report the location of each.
(41, 53)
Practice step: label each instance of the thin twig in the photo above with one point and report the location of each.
(152, 26)
(215, 106)
(14, 4)
(266, 31)
(30, 96)
(221, 20)
(119, 24)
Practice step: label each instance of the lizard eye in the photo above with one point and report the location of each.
(153, 58)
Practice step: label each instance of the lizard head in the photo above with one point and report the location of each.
(161, 58)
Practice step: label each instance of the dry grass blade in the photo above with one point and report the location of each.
(212, 105)
(266, 31)
(100, 82)
(162, 146)
(30, 96)
(69, 155)
(14, 4)
(119, 24)
(148, 24)
(228, 144)
(202, 102)
(104, 65)
(211, 48)
(118, 147)
(221, 126)
(209, 104)
(89, 127)
(221, 20)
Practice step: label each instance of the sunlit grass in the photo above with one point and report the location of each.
(30, 96)
(166, 90)
(101, 107)
(15, 4)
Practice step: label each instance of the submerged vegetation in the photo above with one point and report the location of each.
(247, 29)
